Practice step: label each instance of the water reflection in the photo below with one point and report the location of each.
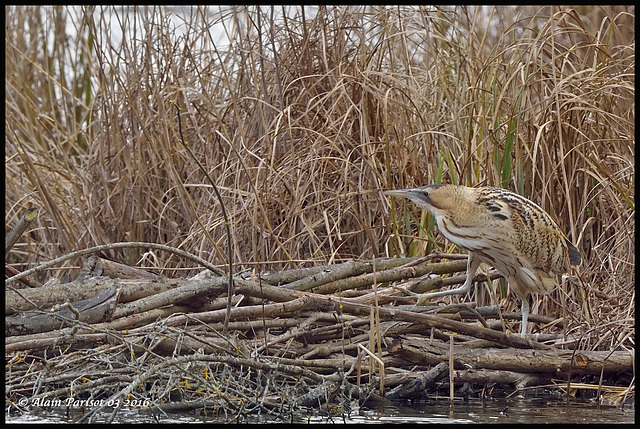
(536, 410)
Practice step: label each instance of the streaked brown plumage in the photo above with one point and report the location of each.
(503, 229)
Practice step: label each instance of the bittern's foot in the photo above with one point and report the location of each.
(422, 298)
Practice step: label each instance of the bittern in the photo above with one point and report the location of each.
(505, 230)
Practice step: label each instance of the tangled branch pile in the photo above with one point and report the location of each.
(160, 344)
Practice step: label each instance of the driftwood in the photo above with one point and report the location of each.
(303, 338)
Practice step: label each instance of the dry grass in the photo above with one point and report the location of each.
(307, 116)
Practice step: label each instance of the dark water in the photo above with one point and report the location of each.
(473, 411)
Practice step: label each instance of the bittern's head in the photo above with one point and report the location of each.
(435, 198)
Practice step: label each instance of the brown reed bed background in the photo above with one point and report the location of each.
(305, 118)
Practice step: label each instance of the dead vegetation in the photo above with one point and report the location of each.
(302, 120)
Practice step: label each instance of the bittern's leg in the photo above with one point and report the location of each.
(525, 315)
(472, 266)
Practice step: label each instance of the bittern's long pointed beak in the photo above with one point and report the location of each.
(416, 194)
(406, 193)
